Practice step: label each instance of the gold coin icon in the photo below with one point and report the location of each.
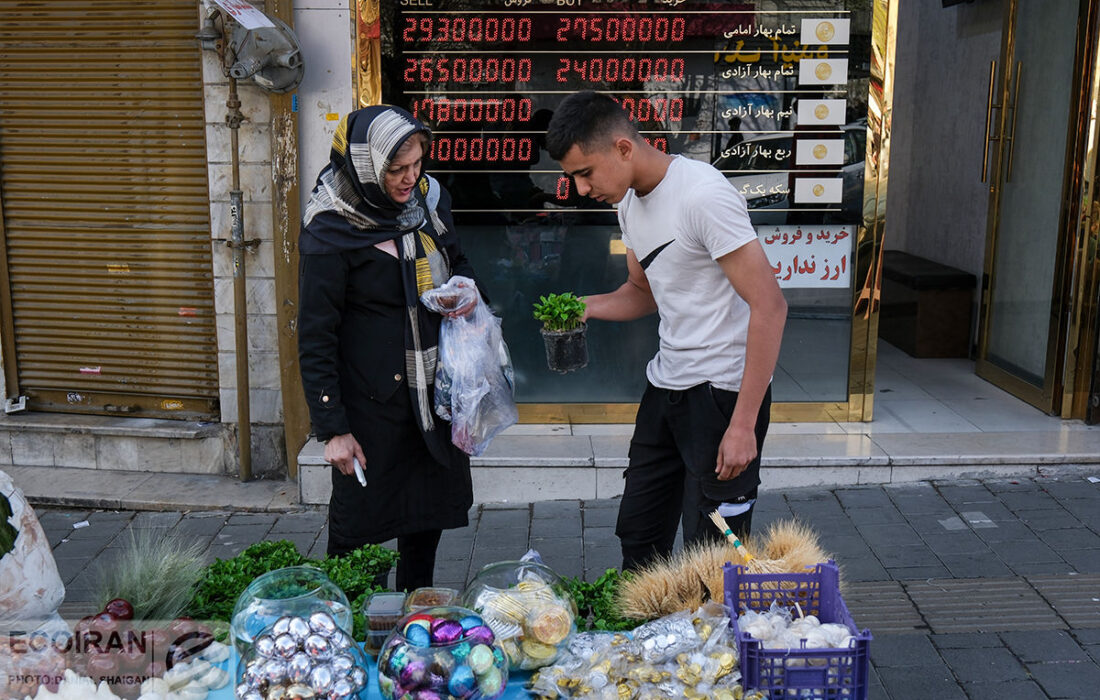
(819, 190)
(823, 71)
(825, 31)
(821, 111)
(820, 151)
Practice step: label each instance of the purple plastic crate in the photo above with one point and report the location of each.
(825, 674)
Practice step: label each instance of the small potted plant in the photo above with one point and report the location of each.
(563, 331)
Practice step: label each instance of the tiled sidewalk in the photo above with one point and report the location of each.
(972, 589)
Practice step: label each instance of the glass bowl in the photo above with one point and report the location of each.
(442, 652)
(529, 609)
(303, 656)
(295, 591)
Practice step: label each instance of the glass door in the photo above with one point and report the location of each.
(1032, 103)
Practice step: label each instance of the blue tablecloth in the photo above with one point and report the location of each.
(517, 681)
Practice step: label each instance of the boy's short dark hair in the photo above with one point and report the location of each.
(585, 119)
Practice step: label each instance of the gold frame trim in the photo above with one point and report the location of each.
(1073, 311)
(1077, 385)
(867, 252)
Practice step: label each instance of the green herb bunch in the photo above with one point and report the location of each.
(222, 582)
(560, 312)
(596, 603)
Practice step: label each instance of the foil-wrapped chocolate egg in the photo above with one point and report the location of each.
(242, 689)
(300, 691)
(321, 678)
(342, 664)
(358, 678)
(281, 626)
(274, 671)
(341, 641)
(480, 635)
(317, 647)
(461, 682)
(445, 631)
(285, 646)
(254, 672)
(322, 623)
(341, 690)
(264, 646)
(428, 695)
(276, 692)
(491, 684)
(418, 636)
(414, 675)
(480, 659)
(298, 668)
(298, 628)
(470, 621)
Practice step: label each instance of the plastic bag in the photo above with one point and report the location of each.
(30, 587)
(30, 592)
(473, 380)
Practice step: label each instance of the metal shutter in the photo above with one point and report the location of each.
(105, 204)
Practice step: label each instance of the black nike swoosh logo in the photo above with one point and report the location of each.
(657, 251)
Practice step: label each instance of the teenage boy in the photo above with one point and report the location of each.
(694, 258)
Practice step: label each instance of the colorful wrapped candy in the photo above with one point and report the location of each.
(442, 652)
(527, 607)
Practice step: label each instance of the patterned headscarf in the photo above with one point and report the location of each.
(349, 209)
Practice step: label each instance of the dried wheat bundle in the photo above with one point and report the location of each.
(689, 578)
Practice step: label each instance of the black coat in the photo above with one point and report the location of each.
(352, 355)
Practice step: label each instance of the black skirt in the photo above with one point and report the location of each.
(407, 491)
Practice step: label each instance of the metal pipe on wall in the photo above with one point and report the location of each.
(240, 296)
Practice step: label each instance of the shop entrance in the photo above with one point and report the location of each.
(1036, 131)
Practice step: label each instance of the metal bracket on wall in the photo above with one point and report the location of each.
(250, 244)
(15, 405)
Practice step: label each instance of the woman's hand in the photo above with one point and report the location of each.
(465, 309)
(340, 450)
(462, 310)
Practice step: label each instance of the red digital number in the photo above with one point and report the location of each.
(448, 149)
(627, 29)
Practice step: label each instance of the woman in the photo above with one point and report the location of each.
(376, 234)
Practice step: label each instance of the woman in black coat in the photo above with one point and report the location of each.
(376, 234)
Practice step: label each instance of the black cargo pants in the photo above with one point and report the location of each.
(671, 477)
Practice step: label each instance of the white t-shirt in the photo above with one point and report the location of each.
(693, 217)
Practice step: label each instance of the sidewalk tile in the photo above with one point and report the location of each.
(863, 497)
(874, 516)
(921, 682)
(1066, 540)
(1084, 561)
(975, 565)
(555, 509)
(964, 542)
(1012, 690)
(893, 650)
(964, 640)
(1067, 680)
(895, 534)
(1042, 646)
(599, 517)
(989, 665)
(905, 555)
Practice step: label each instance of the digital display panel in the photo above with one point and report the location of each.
(776, 99)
